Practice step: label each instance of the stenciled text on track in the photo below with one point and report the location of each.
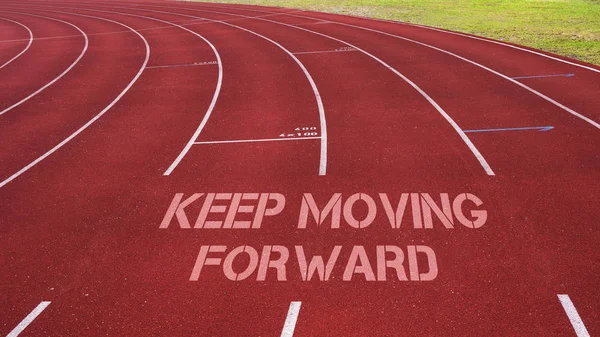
(358, 211)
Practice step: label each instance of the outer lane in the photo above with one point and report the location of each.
(582, 89)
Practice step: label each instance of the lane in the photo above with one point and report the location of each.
(267, 109)
(500, 57)
(449, 119)
(213, 102)
(322, 161)
(440, 110)
(13, 44)
(497, 105)
(30, 74)
(38, 127)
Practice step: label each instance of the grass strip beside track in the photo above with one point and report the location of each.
(566, 27)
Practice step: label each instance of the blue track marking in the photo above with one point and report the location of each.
(543, 76)
(539, 128)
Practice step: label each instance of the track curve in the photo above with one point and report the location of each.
(26, 46)
(96, 230)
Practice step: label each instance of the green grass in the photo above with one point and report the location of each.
(565, 27)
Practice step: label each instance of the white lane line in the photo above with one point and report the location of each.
(93, 34)
(290, 321)
(85, 47)
(254, 140)
(211, 107)
(424, 27)
(539, 94)
(27, 320)
(576, 321)
(95, 118)
(183, 65)
(488, 170)
(569, 110)
(182, 23)
(215, 96)
(499, 43)
(24, 49)
(322, 51)
(322, 121)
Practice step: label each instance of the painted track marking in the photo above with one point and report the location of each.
(95, 118)
(501, 44)
(187, 23)
(322, 121)
(430, 28)
(24, 49)
(574, 317)
(27, 320)
(539, 128)
(184, 65)
(569, 110)
(254, 140)
(539, 94)
(323, 51)
(454, 125)
(83, 51)
(543, 76)
(96, 34)
(215, 95)
(290, 321)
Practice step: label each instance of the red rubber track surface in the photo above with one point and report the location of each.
(80, 228)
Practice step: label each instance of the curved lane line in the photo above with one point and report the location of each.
(85, 47)
(211, 107)
(488, 170)
(26, 47)
(422, 27)
(322, 120)
(495, 42)
(95, 118)
(539, 94)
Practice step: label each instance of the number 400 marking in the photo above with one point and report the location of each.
(306, 131)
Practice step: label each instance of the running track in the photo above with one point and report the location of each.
(109, 109)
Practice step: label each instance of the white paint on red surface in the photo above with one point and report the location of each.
(573, 315)
(290, 321)
(101, 113)
(24, 49)
(219, 203)
(27, 320)
(224, 208)
(83, 51)
(195, 64)
(423, 208)
(338, 50)
(390, 263)
(291, 137)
